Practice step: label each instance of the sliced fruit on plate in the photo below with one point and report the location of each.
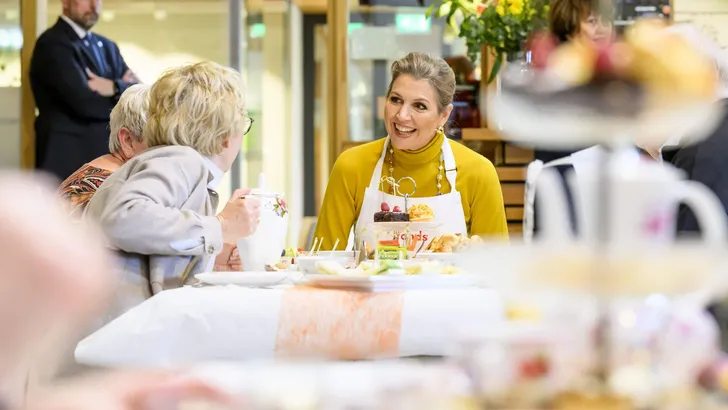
(389, 242)
(522, 312)
(450, 270)
(364, 269)
(330, 268)
(371, 269)
(534, 368)
(413, 269)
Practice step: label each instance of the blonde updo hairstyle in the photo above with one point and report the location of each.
(198, 106)
(436, 71)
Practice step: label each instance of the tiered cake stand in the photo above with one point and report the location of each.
(607, 271)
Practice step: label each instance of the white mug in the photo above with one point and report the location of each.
(265, 245)
(643, 202)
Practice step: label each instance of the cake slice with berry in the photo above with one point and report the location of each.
(393, 215)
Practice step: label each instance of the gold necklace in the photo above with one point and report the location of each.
(440, 170)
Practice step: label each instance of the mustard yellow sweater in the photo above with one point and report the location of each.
(477, 181)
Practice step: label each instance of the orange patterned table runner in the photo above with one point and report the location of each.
(339, 324)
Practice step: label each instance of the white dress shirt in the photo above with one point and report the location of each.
(216, 172)
(78, 29)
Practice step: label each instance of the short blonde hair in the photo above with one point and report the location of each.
(130, 113)
(197, 105)
(435, 70)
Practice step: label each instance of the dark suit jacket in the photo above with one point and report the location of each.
(72, 126)
(547, 156)
(705, 162)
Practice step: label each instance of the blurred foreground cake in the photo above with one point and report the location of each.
(650, 68)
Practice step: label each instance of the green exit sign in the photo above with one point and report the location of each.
(354, 27)
(257, 30)
(412, 23)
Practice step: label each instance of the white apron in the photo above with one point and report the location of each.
(448, 208)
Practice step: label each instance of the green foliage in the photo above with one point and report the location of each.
(502, 25)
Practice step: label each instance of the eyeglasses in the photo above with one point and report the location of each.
(247, 125)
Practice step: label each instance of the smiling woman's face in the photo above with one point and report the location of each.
(411, 115)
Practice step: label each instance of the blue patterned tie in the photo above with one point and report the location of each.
(90, 42)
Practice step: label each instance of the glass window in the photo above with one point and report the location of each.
(267, 68)
(11, 41)
(378, 36)
(154, 36)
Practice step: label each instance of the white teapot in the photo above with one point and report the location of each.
(642, 206)
(265, 245)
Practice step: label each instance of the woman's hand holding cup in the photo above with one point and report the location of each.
(240, 217)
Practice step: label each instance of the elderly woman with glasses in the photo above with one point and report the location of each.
(159, 209)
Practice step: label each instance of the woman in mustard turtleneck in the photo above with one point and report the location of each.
(458, 184)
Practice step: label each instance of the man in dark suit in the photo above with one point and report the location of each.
(705, 162)
(77, 78)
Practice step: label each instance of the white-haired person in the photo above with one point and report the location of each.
(705, 161)
(159, 209)
(127, 121)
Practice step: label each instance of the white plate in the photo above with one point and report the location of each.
(245, 278)
(445, 257)
(617, 271)
(388, 283)
(403, 226)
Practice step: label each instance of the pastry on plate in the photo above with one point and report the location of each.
(421, 213)
(449, 242)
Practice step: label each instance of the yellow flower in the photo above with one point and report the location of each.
(515, 9)
(517, 3)
(500, 10)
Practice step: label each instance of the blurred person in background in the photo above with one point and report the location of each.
(459, 185)
(572, 20)
(158, 210)
(58, 272)
(705, 161)
(576, 20)
(77, 78)
(125, 141)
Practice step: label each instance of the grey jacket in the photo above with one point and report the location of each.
(157, 212)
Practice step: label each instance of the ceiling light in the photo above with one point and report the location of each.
(107, 15)
(160, 14)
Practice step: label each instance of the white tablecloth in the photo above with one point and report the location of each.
(191, 325)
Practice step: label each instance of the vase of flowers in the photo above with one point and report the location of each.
(501, 25)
